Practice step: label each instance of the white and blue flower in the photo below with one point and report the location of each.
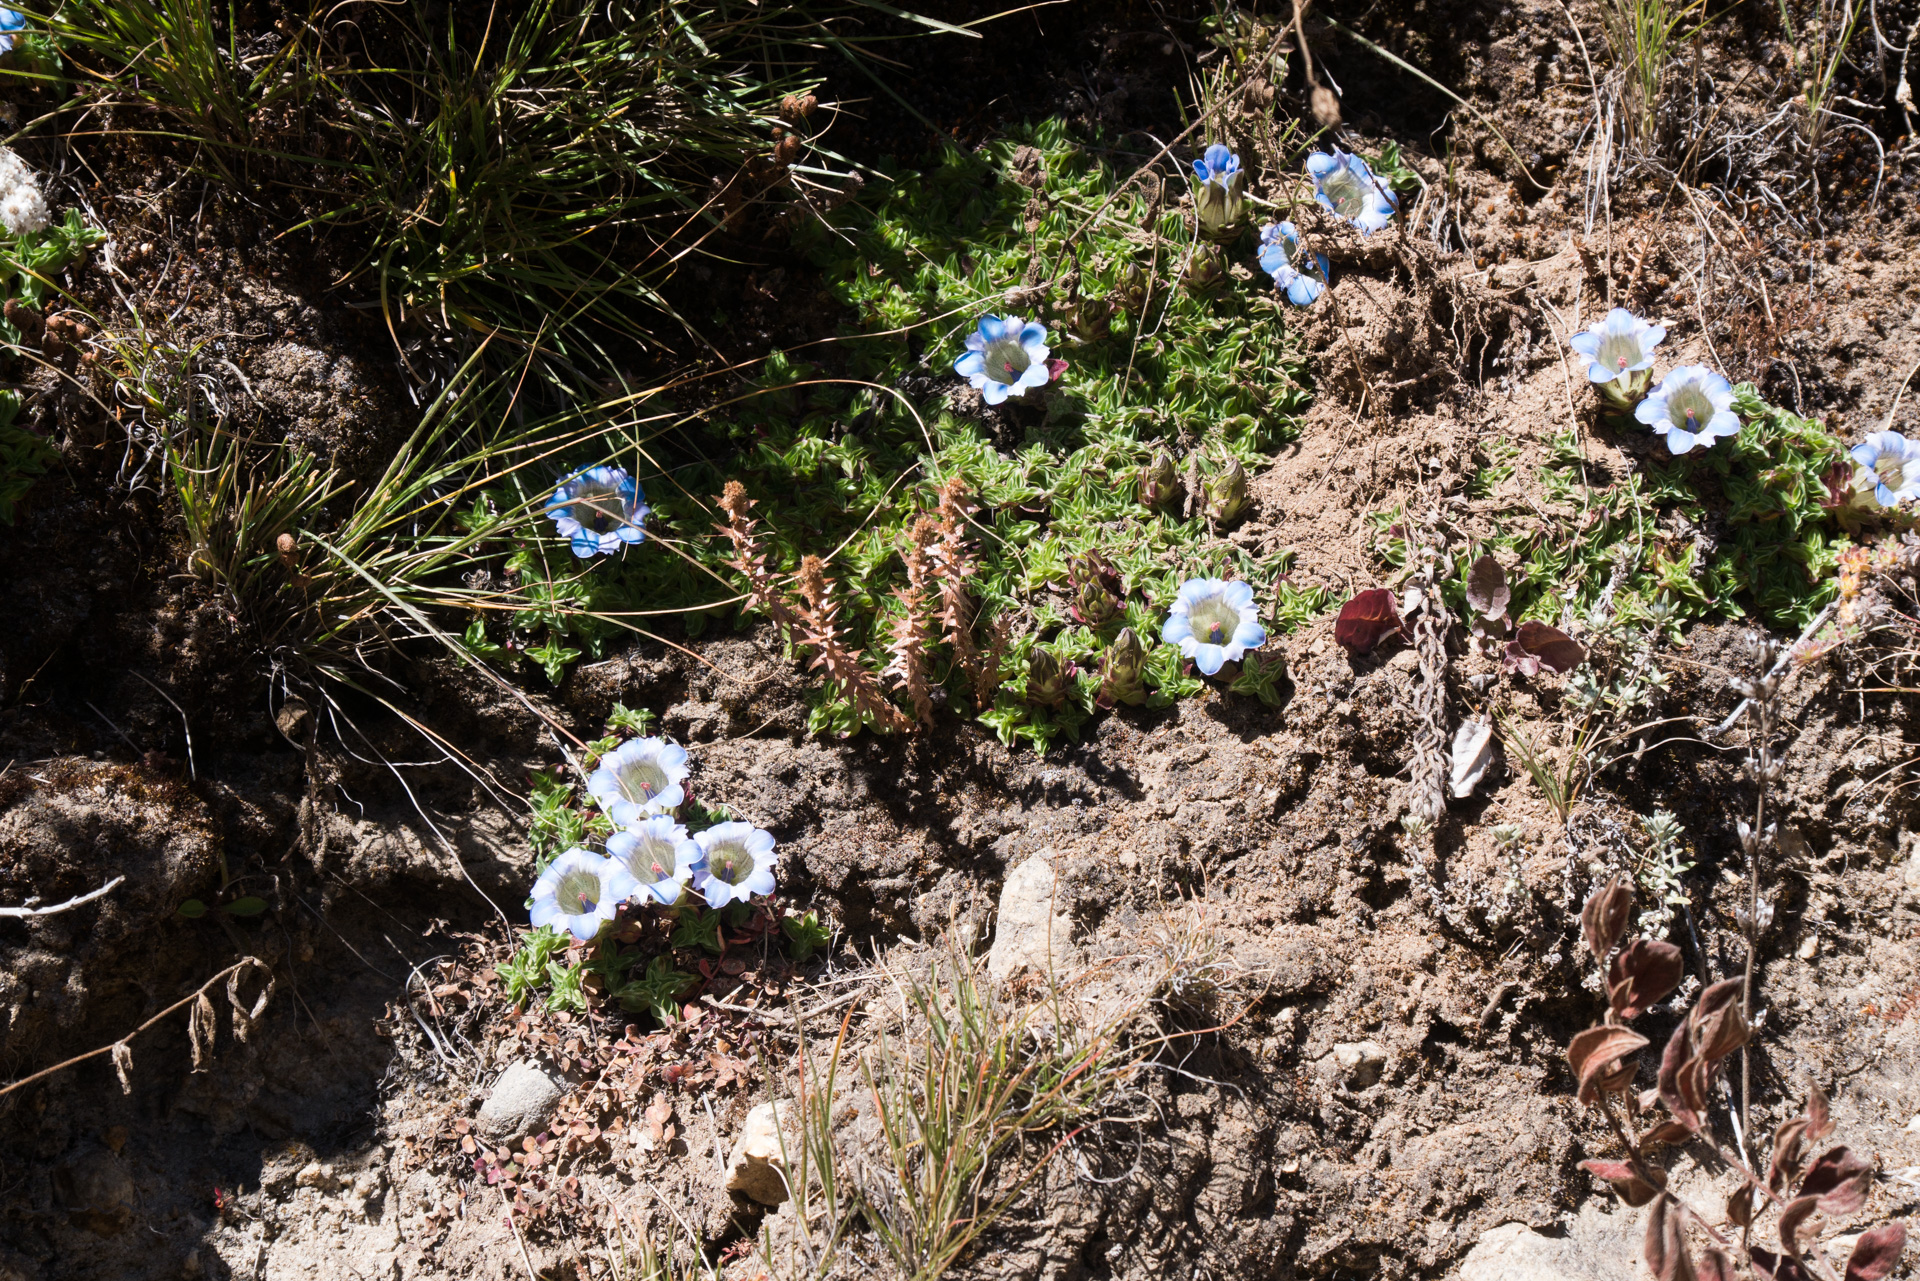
(1302, 277)
(1893, 462)
(657, 853)
(1619, 352)
(740, 862)
(581, 892)
(641, 777)
(600, 510)
(1344, 184)
(10, 22)
(1691, 406)
(1220, 194)
(1005, 357)
(1213, 622)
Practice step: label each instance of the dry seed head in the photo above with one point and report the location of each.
(1326, 107)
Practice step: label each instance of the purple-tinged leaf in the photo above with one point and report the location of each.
(1787, 1144)
(1715, 1265)
(1792, 1219)
(1593, 1053)
(1604, 918)
(1551, 646)
(1672, 1060)
(1630, 1187)
(1718, 1028)
(1877, 1252)
(1838, 1179)
(1769, 1266)
(1487, 589)
(1740, 1206)
(1819, 1116)
(1644, 972)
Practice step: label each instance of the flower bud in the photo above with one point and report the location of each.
(1222, 204)
(1132, 290)
(1120, 670)
(1227, 493)
(1206, 269)
(1046, 679)
(1090, 317)
(1160, 481)
(1097, 588)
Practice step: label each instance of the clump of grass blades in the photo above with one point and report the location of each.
(972, 1103)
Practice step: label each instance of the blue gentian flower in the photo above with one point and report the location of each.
(1220, 197)
(1894, 462)
(740, 863)
(580, 892)
(1005, 357)
(1302, 277)
(1344, 184)
(638, 778)
(1619, 352)
(599, 509)
(10, 22)
(658, 853)
(1691, 406)
(1214, 622)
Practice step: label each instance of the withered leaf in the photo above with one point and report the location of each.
(1548, 646)
(1604, 918)
(1696, 1075)
(1769, 1266)
(1715, 1265)
(1365, 619)
(1672, 1060)
(1740, 1206)
(1665, 1246)
(1876, 1252)
(1717, 1025)
(1786, 1152)
(1630, 1187)
(1792, 1219)
(1487, 589)
(1645, 971)
(1666, 1132)
(1838, 1179)
(1819, 1119)
(1592, 1053)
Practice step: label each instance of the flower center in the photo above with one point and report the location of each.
(599, 508)
(653, 862)
(1348, 193)
(1006, 361)
(582, 888)
(1213, 621)
(1688, 408)
(1620, 352)
(1891, 469)
(642, 780)
(730, 863)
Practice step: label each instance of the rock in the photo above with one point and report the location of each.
(757, 1170)
(1029, 935)
(96, 1191)
(522, 1099)
(315, 1174)
(1359, 1063)
(1598, 1246)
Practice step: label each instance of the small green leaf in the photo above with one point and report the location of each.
(553, 658)
(698, 929)
(248, 906)
(193, 909)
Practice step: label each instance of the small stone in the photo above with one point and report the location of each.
(292, 719)
(315, 1174)
(1359, 1063)
(522, 1099)
(1595, 1246)
(1809, 947)
(1029, 934)
(757, 1169)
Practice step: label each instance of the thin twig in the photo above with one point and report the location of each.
(61, 907)
(185, 728)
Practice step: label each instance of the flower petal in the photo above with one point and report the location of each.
(1177, 629)
(1238, 594)
(974, 362)
(1034, 334)
(585, 545)
(1208, 658)
(994, 393)
(1249, 635)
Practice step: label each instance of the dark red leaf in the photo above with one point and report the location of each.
(1365, 619)
(1632, 1189)
(1666, 1243)
(1521, 661)
(1604, 918)
(1839, 1179)
(1553, 647)
(1666, 1132)
(1593, 1053)
(1876, 1252)
(1643, 973)
(1740, 1206)
(1696, 1075)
